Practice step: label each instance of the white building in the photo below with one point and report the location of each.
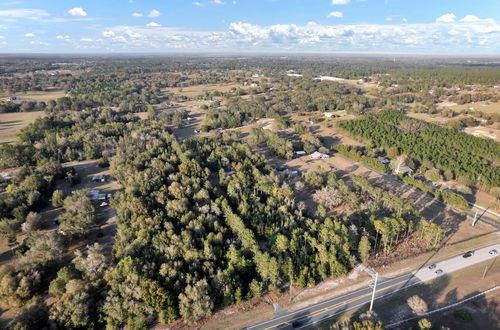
(328, 78)
(403, 169)
(318, 155)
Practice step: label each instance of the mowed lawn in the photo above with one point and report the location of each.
(12, 123)
(37, 96)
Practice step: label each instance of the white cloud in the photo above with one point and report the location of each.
(471, 37)
(108, 34)
(86, 39)
(340, 2)
(153, 24)
(470, 18)
(154, 13)
(137, 15)
(77, 11)
(446, 18)
(63, 37)
(24, 13)
(335, 14)
(473, 18)
(29, 35)
(40, 43)
(211, 2)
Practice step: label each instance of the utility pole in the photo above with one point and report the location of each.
(374, 289)
(475, 219)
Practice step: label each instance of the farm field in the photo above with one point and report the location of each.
(12, 123)
(38, 96)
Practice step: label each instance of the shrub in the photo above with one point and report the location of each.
(417, 305)
(57, 198)
(103, 162)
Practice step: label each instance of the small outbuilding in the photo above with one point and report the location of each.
(300, 153)
(403, 169)
(318, 155)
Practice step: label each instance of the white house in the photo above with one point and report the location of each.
(328, 78)
(318, 155)
(294, 74)
(300, 153)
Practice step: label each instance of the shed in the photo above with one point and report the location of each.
(403, 169)
(318, 155)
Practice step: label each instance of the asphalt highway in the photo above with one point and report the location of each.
(314, 314)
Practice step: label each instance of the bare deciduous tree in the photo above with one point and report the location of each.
(417, 305)
(328, 196)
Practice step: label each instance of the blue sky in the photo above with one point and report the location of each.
(381, 26)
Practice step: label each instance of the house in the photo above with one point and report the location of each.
(330, 78)
(318, 155)
(255, 75)
(294, 74)
(383, 160)
(300, 153)
(496, 86)
(402, 169)
(340, 113)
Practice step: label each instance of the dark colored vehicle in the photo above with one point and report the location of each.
(468, 254)
(493, 252)
(439, 272)
(432, 266)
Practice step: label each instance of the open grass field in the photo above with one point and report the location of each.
(12, 123)
(194, 91)
(492, 107)
(38, 96)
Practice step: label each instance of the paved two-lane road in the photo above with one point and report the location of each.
(319, 312)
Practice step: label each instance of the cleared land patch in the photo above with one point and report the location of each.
(12, 123)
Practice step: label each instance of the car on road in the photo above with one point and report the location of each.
(493, 252)
(432, 266)
(468, 254)
(439, 272)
